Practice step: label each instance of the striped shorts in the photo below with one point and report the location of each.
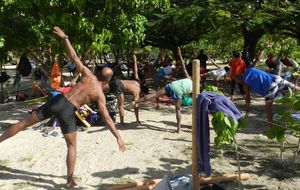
(277, 87)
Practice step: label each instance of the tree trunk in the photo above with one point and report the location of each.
(251, 39)
(1, 86)
(117, 56)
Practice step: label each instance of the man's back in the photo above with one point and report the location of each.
(258, 80)
(131, 86)
(86, 91)
(182, 87)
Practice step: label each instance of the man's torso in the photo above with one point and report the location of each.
(85, 91)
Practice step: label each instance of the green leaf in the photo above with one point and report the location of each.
(227, 122)
(1, 42)
(276, 132)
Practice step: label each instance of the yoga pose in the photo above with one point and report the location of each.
(265, 84)
(175, 90)
(216, 75)
(119, 87)
(63, 107)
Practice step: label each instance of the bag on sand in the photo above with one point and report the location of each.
(4, 77)
(21, 96)
(56, 77)
(24, 66)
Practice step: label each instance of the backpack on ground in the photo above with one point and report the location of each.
(24, 66)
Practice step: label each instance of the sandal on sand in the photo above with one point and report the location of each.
(54, 134)
(45, 134)
(81, 128)
(76, 181)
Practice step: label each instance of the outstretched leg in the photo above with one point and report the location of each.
(15, 128)
(161, 92)
(70, 139)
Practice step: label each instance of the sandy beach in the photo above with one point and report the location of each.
(31, 161)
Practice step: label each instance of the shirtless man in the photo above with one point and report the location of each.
(64, 106)
(119, 87)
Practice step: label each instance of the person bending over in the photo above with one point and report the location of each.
(216, 75)
(174, 90)
(265, 84)
(119, 87)
(63, 107)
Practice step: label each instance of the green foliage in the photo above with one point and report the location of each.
(99, 43)
(225, 128)
(285, 122)
(210, 88)
(1, 42)
(277, 132)
(95, 27)
(180, 25)
(283, 45)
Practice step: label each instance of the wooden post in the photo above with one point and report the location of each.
(196, 91)
(1, 92)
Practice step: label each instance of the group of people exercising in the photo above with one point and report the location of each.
(91, 88)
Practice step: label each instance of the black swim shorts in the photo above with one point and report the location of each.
(116, 87)
(62, 109)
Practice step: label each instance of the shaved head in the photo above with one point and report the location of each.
(105, 74)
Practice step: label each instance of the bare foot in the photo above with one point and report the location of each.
(178, 131)
(75, 181)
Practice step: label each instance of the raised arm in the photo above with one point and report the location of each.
(261, 53)
(213, 62)
(70, 50)
(186, 74)
(135, 67)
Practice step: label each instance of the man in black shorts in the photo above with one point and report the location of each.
(88, 89)
(119, 87)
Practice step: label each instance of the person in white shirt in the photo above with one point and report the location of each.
(216, 75)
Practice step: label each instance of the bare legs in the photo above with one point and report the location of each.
(269, 112)
(70, 139)
(161, 92)
(15, 128)
(178, 114)
(136, 108)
